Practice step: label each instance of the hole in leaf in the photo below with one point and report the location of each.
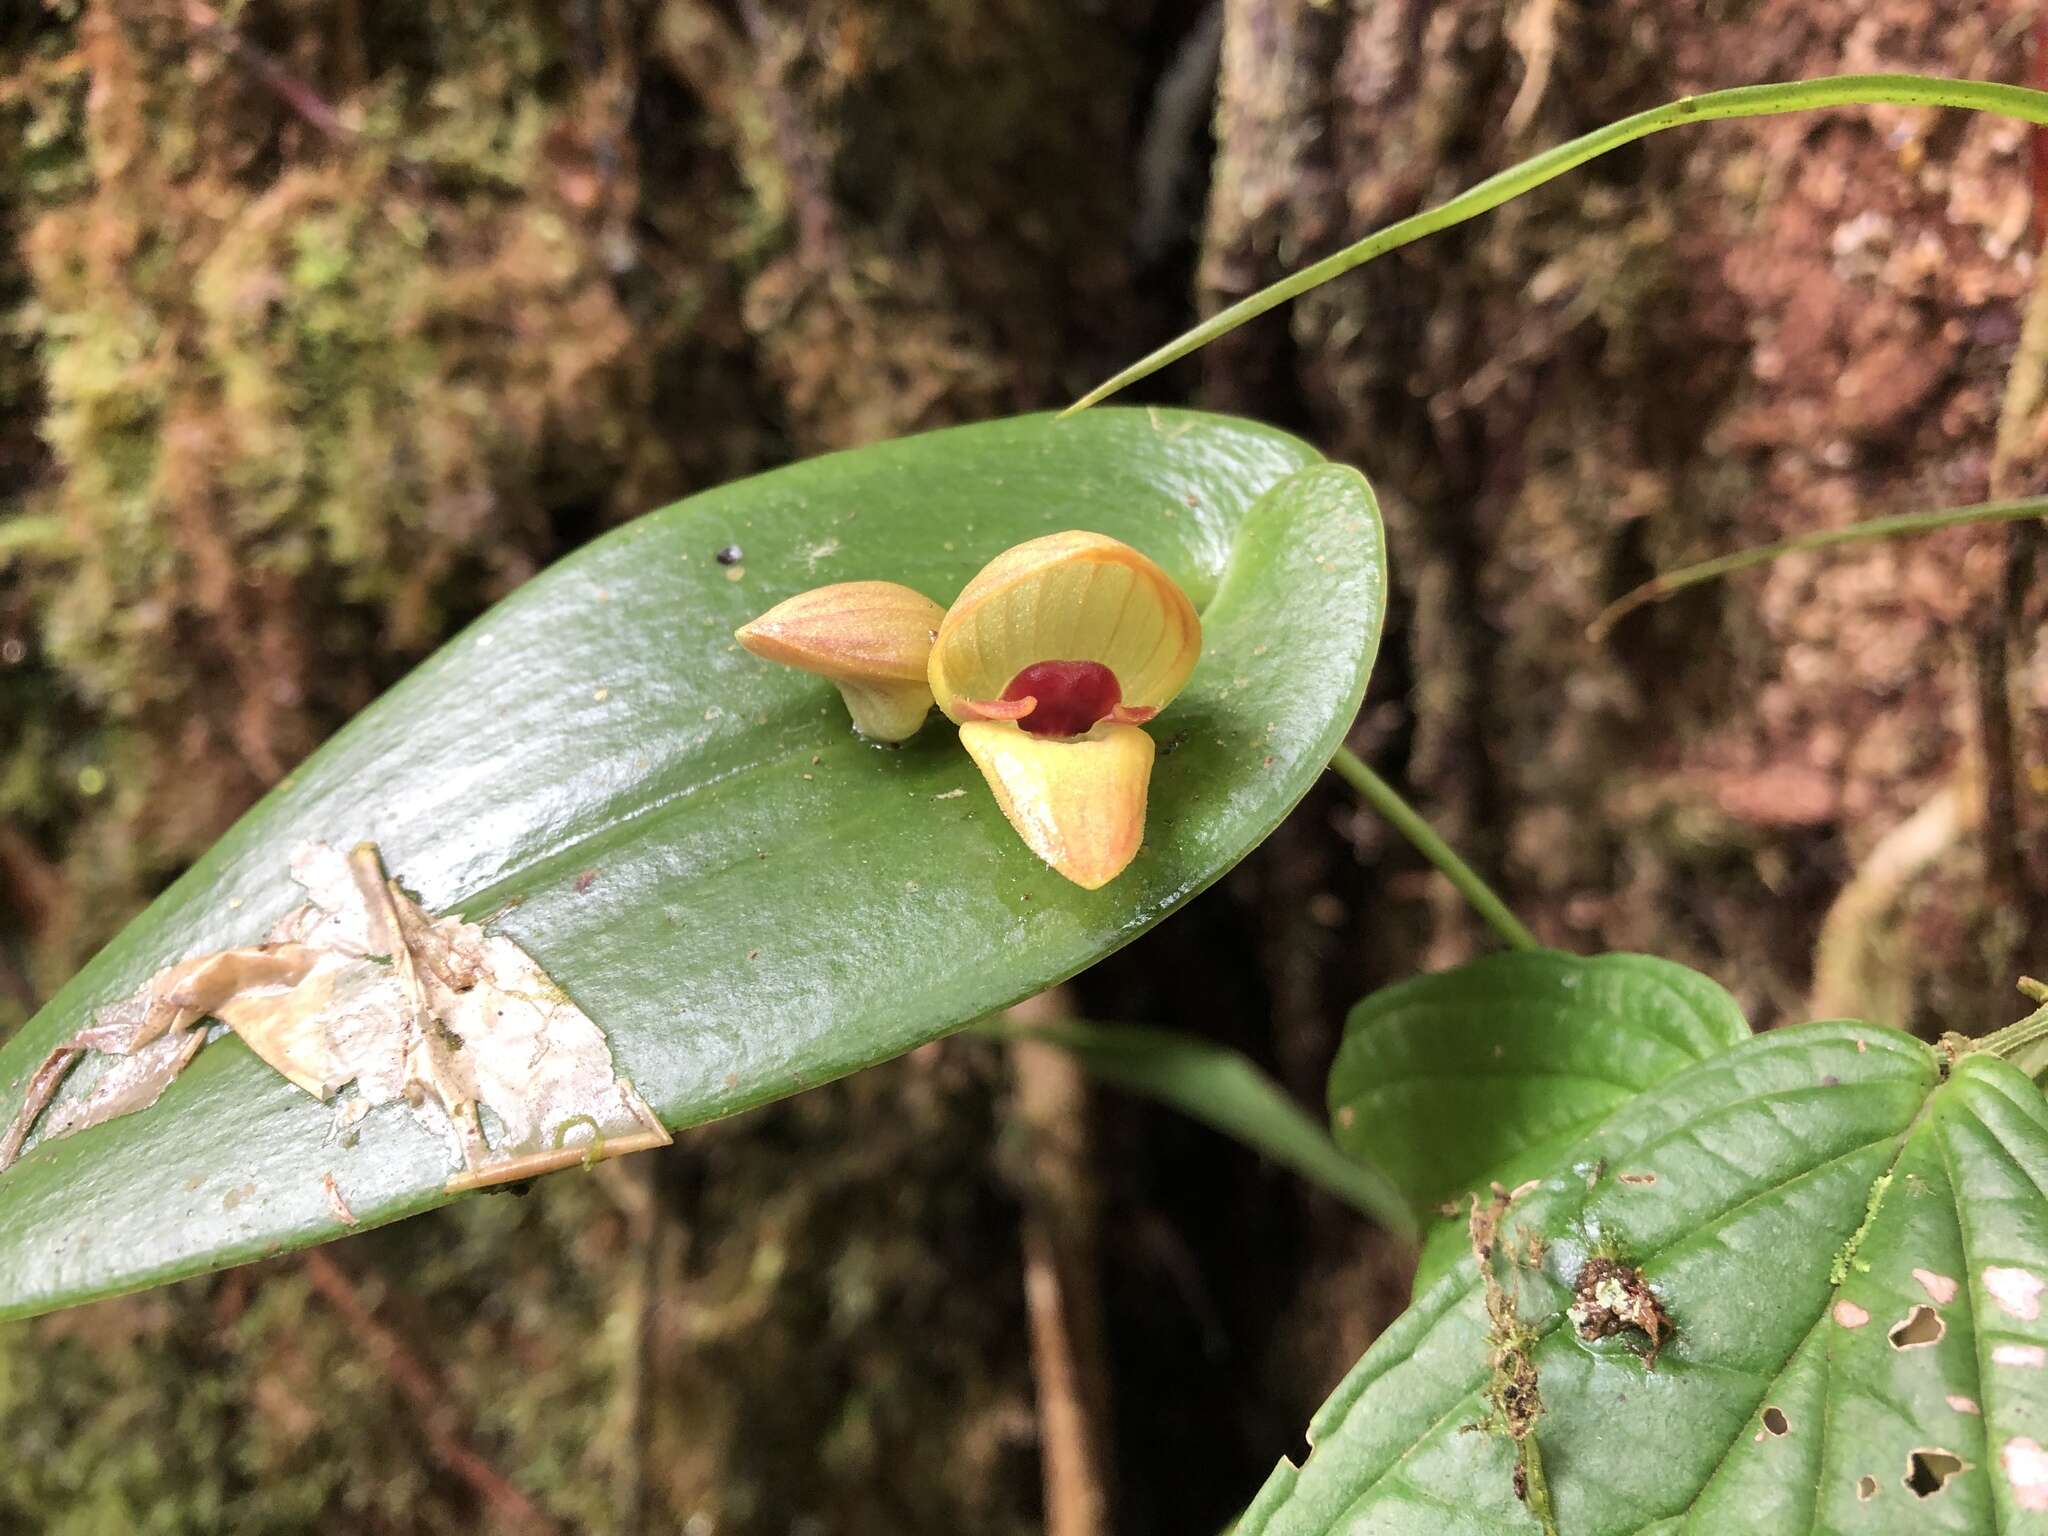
(1928, 1471)
(1866, 1488)
(1776, 1422)
(1922, 1325)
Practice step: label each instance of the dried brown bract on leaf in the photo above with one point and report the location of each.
(361, 986)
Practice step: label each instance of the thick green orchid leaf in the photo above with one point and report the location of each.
(1485, 1074)
(1850, 1240)
(747, 898)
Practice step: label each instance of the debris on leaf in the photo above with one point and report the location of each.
(1614, 1298)
(1514, 1401)
(359, 985)
(335, 1203)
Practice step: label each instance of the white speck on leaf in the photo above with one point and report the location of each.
(1849, 1315)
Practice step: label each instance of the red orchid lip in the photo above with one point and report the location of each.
(1060, 698)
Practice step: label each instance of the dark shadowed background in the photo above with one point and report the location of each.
(327, 322)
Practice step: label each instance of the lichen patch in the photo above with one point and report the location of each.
(361, 987)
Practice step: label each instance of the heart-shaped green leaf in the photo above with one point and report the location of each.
(748, 899)
(1487, 1073)
(1850, 1239)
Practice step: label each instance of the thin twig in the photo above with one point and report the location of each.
(632, 1185)
(1670, 583)
(1850, 965)
(1062, 1297)
(423, 1392)
(207, 24)
(1405, 819)
(2015, 461)
(800, 150)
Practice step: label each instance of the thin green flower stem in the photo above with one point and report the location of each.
(1669, 583)
(1405, 819)
(2024, 1044)
(1742, 101)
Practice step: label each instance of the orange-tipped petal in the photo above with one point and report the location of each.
(872, 638)
(996, 709)
(1067, 597)
(1079, 804)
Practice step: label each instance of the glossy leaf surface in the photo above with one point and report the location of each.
(748, 899)
(1489, 1072)
(1852, 1248)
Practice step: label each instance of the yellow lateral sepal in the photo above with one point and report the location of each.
(1079, 802)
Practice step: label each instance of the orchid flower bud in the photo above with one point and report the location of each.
(871, 638)
(1049, 662)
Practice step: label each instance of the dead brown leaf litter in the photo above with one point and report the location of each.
(361, 986)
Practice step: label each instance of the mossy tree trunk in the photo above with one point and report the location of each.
(336, 318)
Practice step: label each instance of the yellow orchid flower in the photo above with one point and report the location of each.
(1049, 661)
(871, 638)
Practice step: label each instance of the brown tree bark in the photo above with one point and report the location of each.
(637, 247)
